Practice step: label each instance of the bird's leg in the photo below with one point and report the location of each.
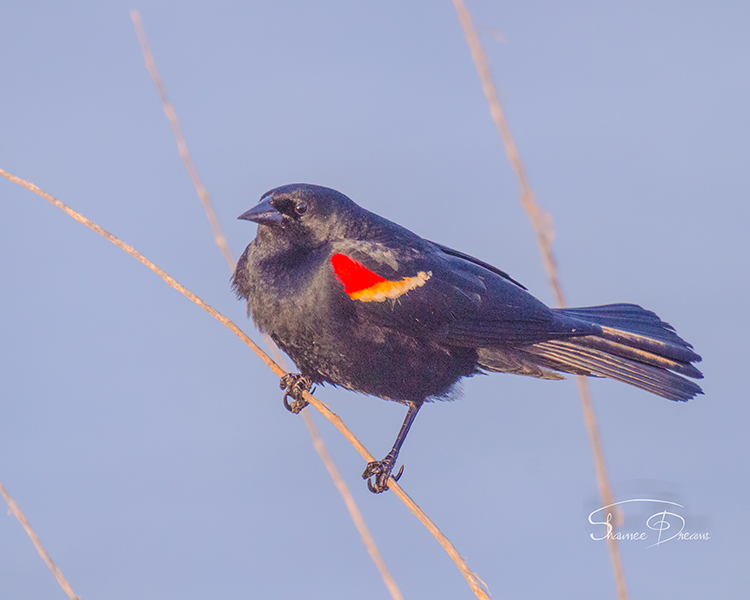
(294, 385)
(381, 469)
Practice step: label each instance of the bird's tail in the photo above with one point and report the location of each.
(634, 346)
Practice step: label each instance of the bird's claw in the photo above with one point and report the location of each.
(381, 471)
(295, 385)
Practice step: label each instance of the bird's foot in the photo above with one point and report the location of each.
(381, 471)
(294, 385)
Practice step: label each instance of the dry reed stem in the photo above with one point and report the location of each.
(472, 580)
(542, 225)
(354, 512)
(37, 543)
(169, 110)
(223, 246)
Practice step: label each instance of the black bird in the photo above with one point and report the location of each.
(358, 301)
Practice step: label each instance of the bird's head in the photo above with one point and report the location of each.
(301, 213)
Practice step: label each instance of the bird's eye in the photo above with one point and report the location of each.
(301, 208)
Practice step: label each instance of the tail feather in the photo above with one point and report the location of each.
(639, 349)
(627, 320)
(567, 356)
(634, 346)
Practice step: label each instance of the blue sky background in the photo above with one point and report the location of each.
(149, 448)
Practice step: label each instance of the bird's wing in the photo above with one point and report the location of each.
(434, 292)
(476, 261)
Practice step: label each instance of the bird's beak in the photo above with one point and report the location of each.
(263, 214)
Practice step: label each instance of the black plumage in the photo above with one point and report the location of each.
(358, 301)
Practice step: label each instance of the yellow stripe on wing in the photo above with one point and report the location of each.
(390, 289)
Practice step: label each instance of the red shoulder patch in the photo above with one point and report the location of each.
(353, 275)
(362, 284)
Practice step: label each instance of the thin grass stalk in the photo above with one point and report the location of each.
(471, 578)
(182, 149)
(13, 506)
(351, 506)
(544, 233)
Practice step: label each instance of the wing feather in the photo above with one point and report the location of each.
(463, 302)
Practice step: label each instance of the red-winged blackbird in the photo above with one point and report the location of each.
(360, 302)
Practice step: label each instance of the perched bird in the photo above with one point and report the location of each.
(360, 302)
